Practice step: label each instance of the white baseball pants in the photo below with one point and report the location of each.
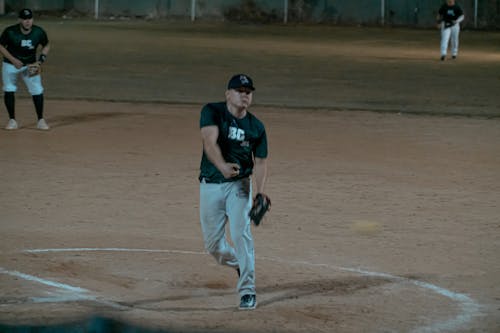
(9, 77)
(448, 34)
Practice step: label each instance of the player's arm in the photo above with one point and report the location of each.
(260, 174)
(440, 17)
(44, 53)
(16, 62)
(440, 14)
(209, 135)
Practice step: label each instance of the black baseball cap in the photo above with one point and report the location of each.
(25, 14)
(240, 80)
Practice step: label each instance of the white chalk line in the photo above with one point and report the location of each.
(65, 287)
(469, 307)
(110, 249)
(66, 292)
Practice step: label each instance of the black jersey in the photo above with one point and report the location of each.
(450, 13)
(239, 140)
(21, 46)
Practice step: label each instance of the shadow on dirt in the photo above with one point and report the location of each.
(320, 287)
(60, 121)
(268, 295)
(92, 325)
(271, 294)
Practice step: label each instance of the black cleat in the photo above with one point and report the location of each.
(454, 57)
(443, 57)
(248, 302)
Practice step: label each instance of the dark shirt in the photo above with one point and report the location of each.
(240, 140)
(21, 46)
(450, 14)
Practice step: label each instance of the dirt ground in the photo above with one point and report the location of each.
(381, 221)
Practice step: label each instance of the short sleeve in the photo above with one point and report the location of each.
(441, 10)
(4, 38)
(261, 146)
(44, 39)
(208, 116)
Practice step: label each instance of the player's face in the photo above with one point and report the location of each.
(450, 2)
(27, 23)
(240, 98)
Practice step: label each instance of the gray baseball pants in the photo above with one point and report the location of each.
(229, 202)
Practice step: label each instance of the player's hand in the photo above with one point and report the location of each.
(230, 170)
(17, 63)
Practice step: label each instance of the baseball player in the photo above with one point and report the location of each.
(234, 149)
(19, 44)
(449, 18)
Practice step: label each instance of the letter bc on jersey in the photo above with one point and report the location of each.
(240, 140)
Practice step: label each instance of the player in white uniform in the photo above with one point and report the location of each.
(449, 18)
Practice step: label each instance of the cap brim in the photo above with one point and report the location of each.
(238, 87)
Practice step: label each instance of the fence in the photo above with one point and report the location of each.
(414, 13)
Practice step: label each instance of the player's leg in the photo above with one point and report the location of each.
(445, 40)
(9, 99)
(455, 32)
(239, 202)
(213, 224)
(9, 79)
(35, 88)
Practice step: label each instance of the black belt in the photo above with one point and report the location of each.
(205, 180)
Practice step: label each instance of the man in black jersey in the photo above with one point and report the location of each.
(19, 45)
(234, 155)
(449, 17)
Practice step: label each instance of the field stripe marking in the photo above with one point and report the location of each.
(109, 249)
(67, 292)
(58, 285)
(469, 307)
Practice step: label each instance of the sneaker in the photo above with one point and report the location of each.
(454, 57)
(11, 125)
(443, 57)
(248, 302)
(42, 125)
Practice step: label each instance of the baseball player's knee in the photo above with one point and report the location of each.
(214, 248)
(217, 254)
(34, 84)
(34, 91)
(241, 237)
(220, 250)
(211, 249)
(8, 87)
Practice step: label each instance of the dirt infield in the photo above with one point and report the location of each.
(332, 68)
(381, 221)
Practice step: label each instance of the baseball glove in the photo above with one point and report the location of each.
(34, 69)
(261, 204)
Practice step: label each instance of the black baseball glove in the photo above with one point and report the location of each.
(261, 205)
